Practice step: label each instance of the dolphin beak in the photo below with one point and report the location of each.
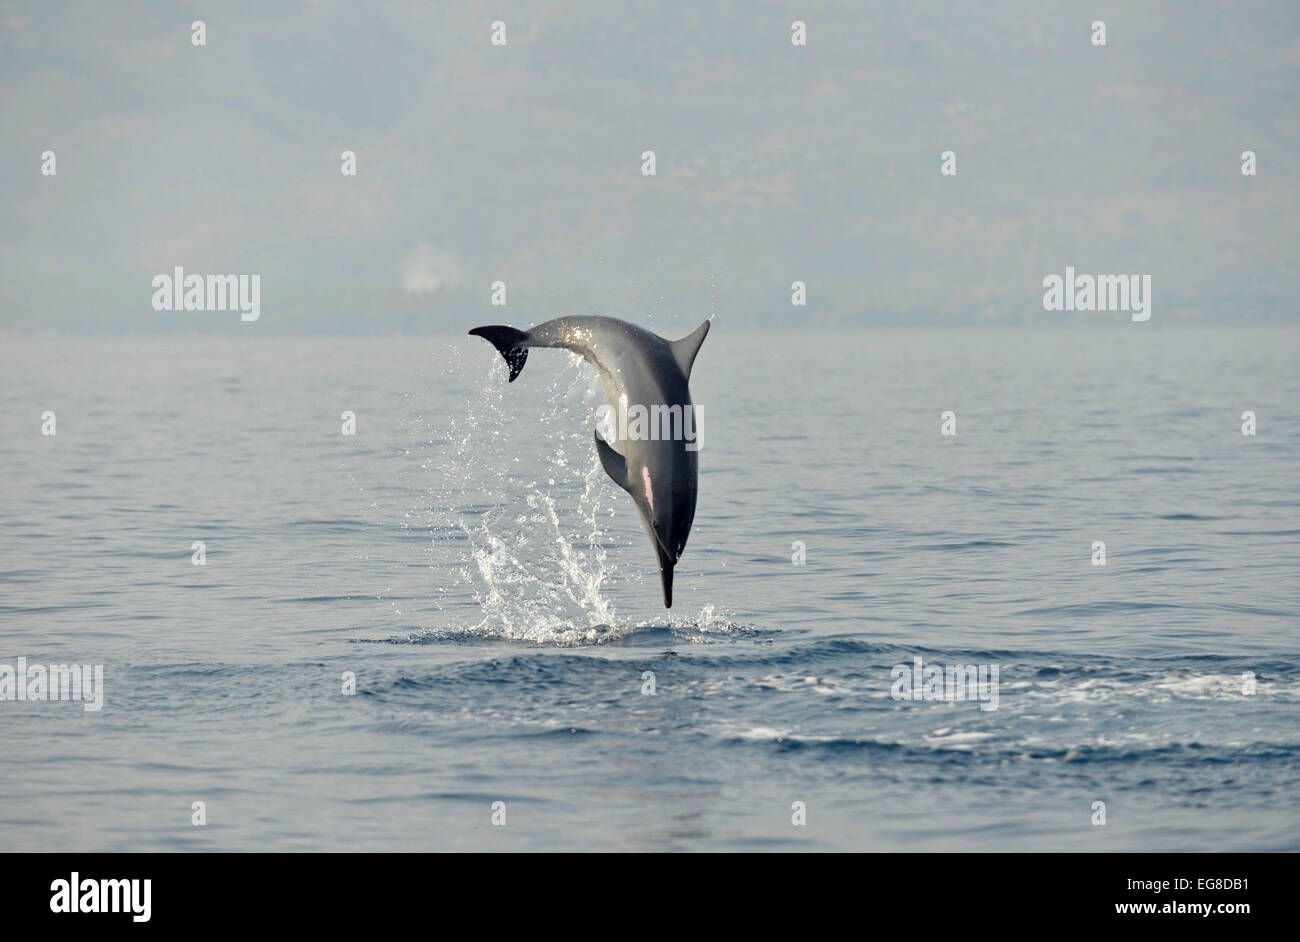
(662, 548)
(665, 559)
(666, 564)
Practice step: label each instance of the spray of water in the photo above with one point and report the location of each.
(520, 512)
(517, 509)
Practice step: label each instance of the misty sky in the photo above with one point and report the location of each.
(523, 164)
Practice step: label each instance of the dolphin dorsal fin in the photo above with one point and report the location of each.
(684, 350)
(614, 463)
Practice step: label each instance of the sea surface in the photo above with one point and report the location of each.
(466, 559)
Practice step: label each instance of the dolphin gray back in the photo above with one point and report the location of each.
(615, 345)
(630, 359)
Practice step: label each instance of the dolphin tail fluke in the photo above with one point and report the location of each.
(511, 343)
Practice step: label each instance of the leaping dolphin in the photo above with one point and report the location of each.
(637, 368)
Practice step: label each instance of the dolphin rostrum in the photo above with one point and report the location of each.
(637, 369)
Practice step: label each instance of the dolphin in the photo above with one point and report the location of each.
(637, 368)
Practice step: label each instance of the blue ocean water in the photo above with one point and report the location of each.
(465, 558)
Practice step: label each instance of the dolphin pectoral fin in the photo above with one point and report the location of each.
(616, 467)
(684, 350)
(614, 464)
(510, 342)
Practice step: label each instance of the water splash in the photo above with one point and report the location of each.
(516, 515)
(515, 499)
